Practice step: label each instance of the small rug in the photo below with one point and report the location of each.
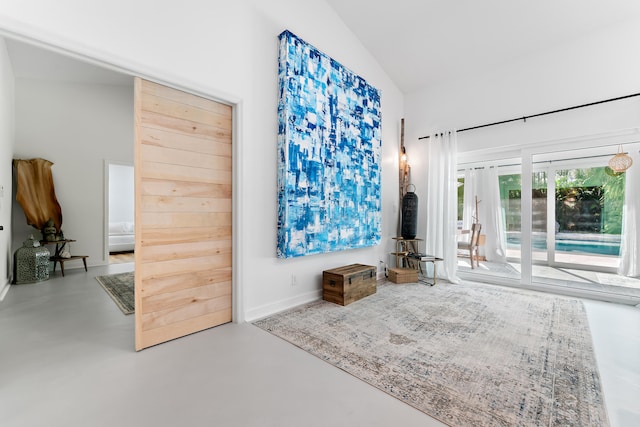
(120, 289)
(467, 354)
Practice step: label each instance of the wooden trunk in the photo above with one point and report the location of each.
(344, 285)
(403, 275)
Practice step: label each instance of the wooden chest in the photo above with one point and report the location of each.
(344, 285)
(403, 275)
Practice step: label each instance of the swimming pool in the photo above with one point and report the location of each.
(595, 244)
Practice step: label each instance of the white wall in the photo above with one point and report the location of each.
(600, 66)
(6, 156)
(267, 280)
(77, 126)
(229, 49)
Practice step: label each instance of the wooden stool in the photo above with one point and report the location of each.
(58, 259)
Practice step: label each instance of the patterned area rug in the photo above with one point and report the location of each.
(120, 289)
(467, 355)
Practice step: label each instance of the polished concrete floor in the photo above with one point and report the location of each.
(67, 359)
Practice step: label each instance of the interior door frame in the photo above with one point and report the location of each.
(69, 48)
(237, 306)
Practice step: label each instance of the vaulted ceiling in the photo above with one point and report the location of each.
(418, 42)
(422, 42)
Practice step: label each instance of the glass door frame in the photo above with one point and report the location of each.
(600, 144)
(550, 167)
(524, 153)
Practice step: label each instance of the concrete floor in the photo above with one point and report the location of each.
(67, 359)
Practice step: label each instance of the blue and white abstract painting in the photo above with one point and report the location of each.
(329, 146)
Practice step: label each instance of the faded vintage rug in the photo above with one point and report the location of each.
(467, 355)
(120, 289)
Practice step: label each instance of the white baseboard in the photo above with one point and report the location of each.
(269, 309)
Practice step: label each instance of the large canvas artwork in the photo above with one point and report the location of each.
(329, 145)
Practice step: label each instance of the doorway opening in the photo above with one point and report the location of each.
(120, 236)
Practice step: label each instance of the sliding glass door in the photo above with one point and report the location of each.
(576, 235)
(489, 199)
(563, 226)
(511, 199)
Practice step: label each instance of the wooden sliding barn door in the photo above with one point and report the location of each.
(182, 213)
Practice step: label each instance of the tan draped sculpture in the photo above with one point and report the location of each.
(35, 192)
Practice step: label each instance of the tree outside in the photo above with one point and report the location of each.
(588, 200)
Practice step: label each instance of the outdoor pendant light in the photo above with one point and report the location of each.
(621, 161)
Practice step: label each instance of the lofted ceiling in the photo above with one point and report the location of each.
(422, 42)
(417, 42)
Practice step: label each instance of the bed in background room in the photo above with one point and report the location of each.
(121, 237)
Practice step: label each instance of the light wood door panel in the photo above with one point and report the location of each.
(183, 253)
(160, 138)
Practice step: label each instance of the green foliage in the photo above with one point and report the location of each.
(610, 193)
(599, 191)
(460, 197)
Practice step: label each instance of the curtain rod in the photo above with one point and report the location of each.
(597, 156)
(524, 118)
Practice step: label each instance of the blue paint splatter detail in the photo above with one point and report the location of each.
(329, 145)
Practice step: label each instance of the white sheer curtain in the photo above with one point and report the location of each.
(469, 198)
(630, 245)
(493, 221)
(483, 184)
(442, 202)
